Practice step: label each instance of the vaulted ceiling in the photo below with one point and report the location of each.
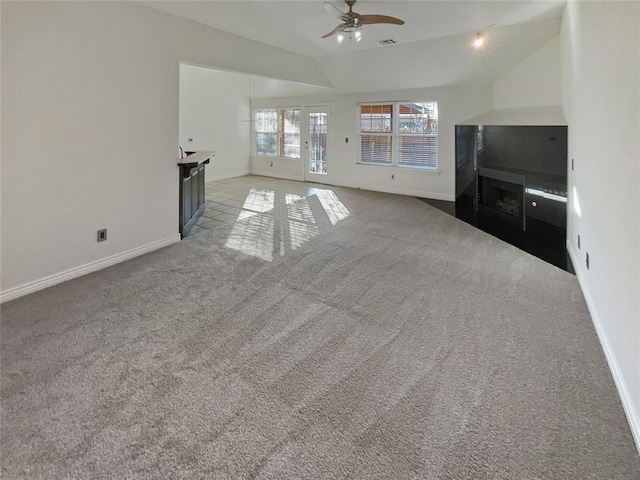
(432, 47)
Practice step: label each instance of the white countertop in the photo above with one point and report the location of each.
(196, 158)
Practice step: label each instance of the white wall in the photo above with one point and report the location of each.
(90, 130)
(529, 93)
(535, 82)
(553, 115)
(214, 113)
(601, 97)
(455, 104)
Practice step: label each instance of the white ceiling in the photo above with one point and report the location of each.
(299, 25)
(432, 49)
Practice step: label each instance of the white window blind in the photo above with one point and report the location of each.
(290, 139)
(277, 132)
(418, 134)
(402, 134)
(376, 139)
(266, 127)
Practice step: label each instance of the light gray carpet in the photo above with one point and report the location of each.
(398, 343)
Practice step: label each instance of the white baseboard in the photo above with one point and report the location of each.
(224, 176)
(417, 193)
(374, 188)
(285, 176)
(627, 401)
(90, 267)
(406, 191)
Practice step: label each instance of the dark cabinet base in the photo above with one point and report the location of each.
(191, 196)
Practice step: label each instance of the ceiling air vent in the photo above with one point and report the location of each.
(388, 41)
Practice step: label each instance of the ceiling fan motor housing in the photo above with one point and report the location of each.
(353, 21)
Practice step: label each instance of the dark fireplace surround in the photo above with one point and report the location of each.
(511, 181)
(501, 195)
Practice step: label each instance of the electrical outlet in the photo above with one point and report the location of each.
(578, 242)
(346, 139)
(271, 164)
(102, 235)
(586, 260)
(393, 176)
(189, 140)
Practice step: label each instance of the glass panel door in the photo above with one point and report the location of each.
(316, 134)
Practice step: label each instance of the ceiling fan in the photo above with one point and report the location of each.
(352, 21)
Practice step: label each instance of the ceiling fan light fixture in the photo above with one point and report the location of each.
(340, 38)
(352, 21)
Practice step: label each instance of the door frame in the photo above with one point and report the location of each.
(304, 135)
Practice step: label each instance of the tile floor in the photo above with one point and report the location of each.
(268, 217)
(225, 199)
(223, 202)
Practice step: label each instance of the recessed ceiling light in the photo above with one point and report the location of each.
(478, 41)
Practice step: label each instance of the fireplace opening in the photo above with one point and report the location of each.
(504, 197)
(500, 198)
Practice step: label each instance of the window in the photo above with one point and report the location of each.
(376, 133)
(266, 132)
(290, 139)
(402, 134)
(277, 132)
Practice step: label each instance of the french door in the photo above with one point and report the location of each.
(315, 143)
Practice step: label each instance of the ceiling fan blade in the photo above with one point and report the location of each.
(371, 19)
(334, 11)
(334, 31)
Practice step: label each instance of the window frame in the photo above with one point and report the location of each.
(280, 132)
(256, 133)
(396, 134)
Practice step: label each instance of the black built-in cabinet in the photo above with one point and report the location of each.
(192, 189)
